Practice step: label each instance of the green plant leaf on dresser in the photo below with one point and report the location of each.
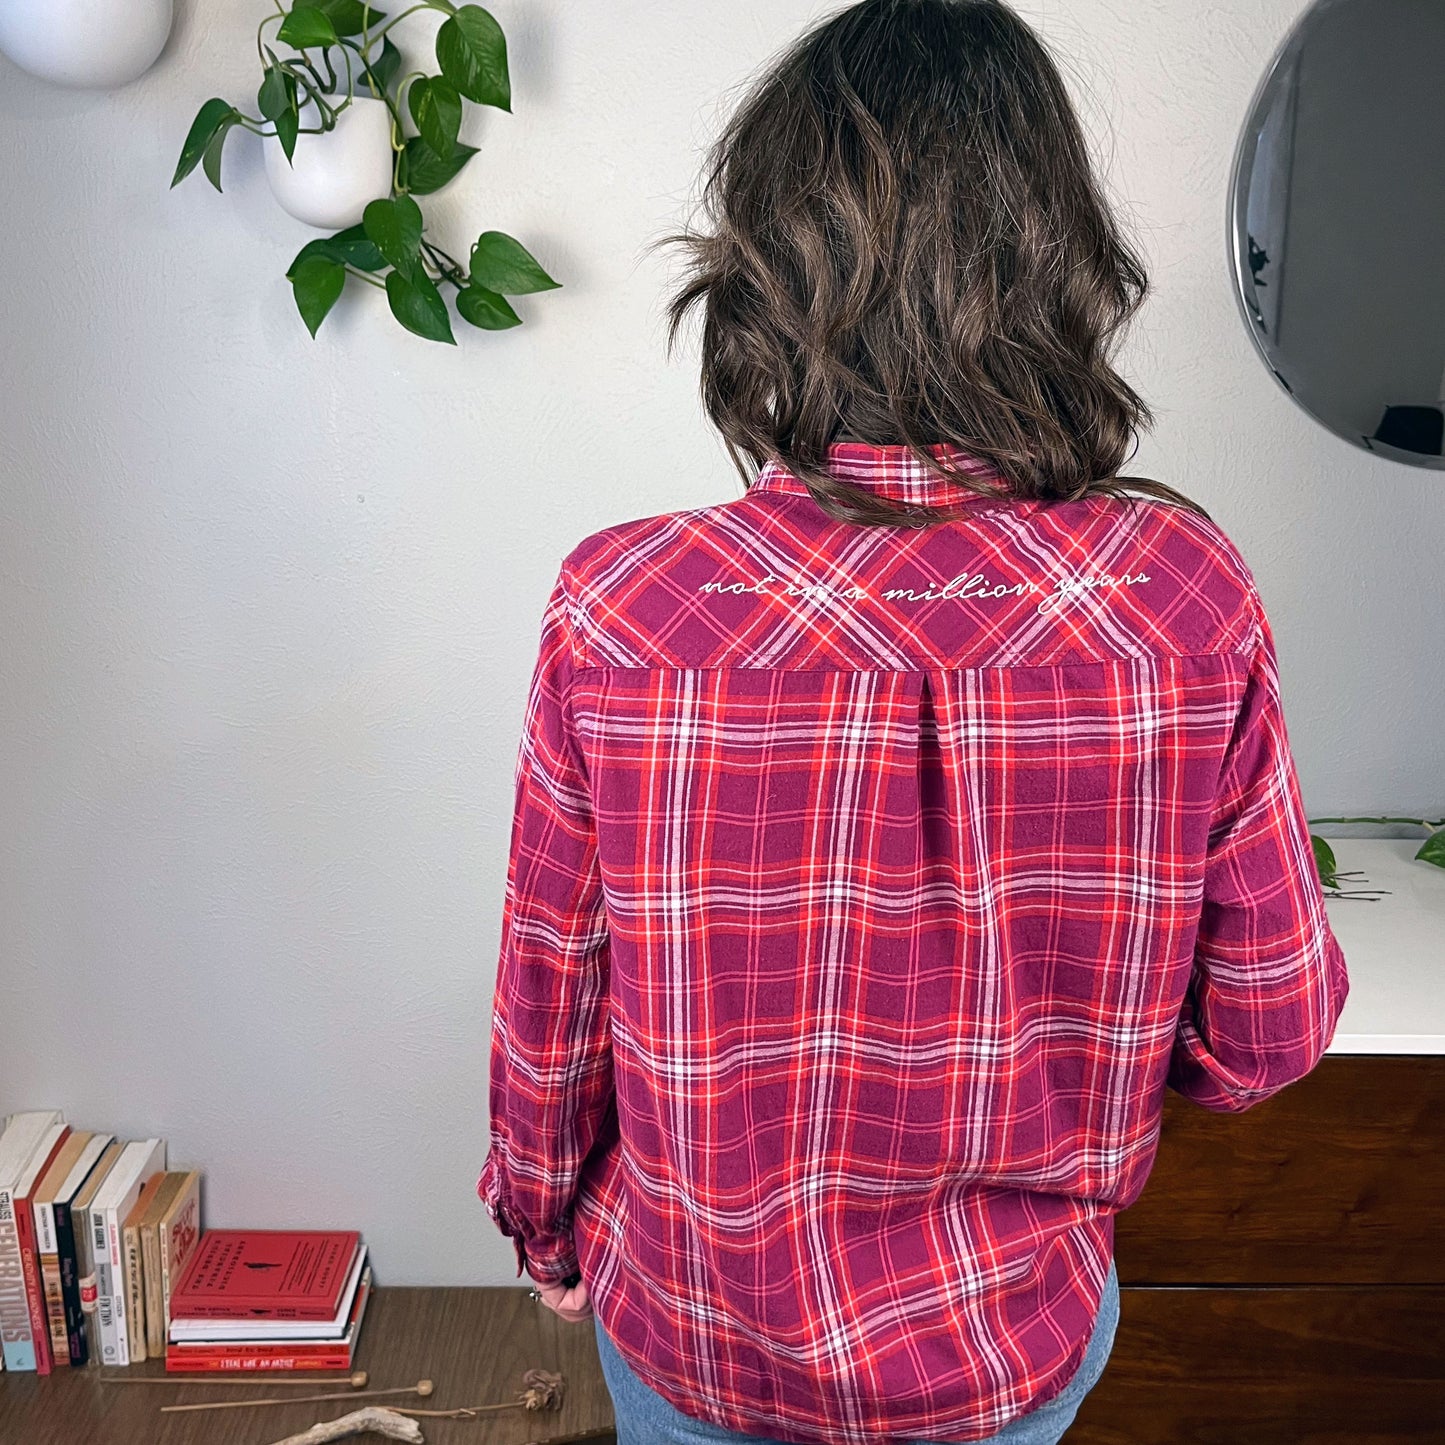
(1432, 850)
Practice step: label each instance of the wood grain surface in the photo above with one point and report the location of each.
(1346, 1365)
(1339, 1179)
(475, 1344)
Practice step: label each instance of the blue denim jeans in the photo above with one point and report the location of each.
(645, 1418)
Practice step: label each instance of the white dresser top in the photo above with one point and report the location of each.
(1394, 949)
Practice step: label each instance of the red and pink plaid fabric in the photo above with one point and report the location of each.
(867, 887)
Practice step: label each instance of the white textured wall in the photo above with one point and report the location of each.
(270, 606)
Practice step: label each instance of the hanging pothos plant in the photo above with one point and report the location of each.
(337, 46)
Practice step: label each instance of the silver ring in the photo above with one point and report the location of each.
(534, 1294)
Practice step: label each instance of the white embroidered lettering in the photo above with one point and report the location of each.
(966, 586)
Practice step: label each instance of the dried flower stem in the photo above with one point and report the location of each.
(544, 1391)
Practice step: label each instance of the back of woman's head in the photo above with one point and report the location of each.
(906, 245)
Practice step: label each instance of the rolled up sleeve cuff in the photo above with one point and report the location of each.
(546, 1258)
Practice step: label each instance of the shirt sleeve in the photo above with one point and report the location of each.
(1269, 978)
(551, 1047)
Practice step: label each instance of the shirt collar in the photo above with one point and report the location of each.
(889, 471)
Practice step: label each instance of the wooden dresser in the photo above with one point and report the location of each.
(1283, 1274)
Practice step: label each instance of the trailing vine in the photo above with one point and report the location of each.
(335, 46)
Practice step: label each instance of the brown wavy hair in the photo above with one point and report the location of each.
(905, 244)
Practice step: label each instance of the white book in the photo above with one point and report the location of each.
(138, 1161)
(18, 1145)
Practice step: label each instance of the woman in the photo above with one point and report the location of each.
(887, 838)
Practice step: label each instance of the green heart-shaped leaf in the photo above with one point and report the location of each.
(211, 159)
(307, 26)
(348, 17)
(418, 305)
(383, 70)
(351, 247)
(1325, 862)
(209, 119)
(472, 54)
(277, 93)
(486, 309)
(394, 227)
(316, 284)
(288, 127)
(424, 171)
(1432, 850)
(437, 110)
(355, 248)
(503, 264)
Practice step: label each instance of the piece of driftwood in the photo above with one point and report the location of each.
(543, 1390)
(374, 1420)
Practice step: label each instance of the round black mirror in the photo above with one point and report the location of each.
(1337, 220)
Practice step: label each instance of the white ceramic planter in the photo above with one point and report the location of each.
(90, 43)
(333, 176)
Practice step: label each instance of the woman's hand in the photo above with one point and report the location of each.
(572, 1304)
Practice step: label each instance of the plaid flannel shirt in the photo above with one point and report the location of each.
(867, 887)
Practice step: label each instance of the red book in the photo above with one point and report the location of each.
(229, 1358)
(275, 1274)
(230, 1363)
(29, 1251)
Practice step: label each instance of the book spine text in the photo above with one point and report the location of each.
(85, 1268)
(115, 1264)
(134, 1296)
(209, 1360)
(15, 1335)
(104, 1299)
(34, 1290)
(65, 1250)
(48, 1250)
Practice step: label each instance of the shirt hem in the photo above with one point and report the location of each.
(793, 1433)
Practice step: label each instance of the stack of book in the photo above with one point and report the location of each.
(103, 1261)
(93, 1232)
(270, 1299)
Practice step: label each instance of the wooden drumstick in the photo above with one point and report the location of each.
(357, 1381)
(422, 1388)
